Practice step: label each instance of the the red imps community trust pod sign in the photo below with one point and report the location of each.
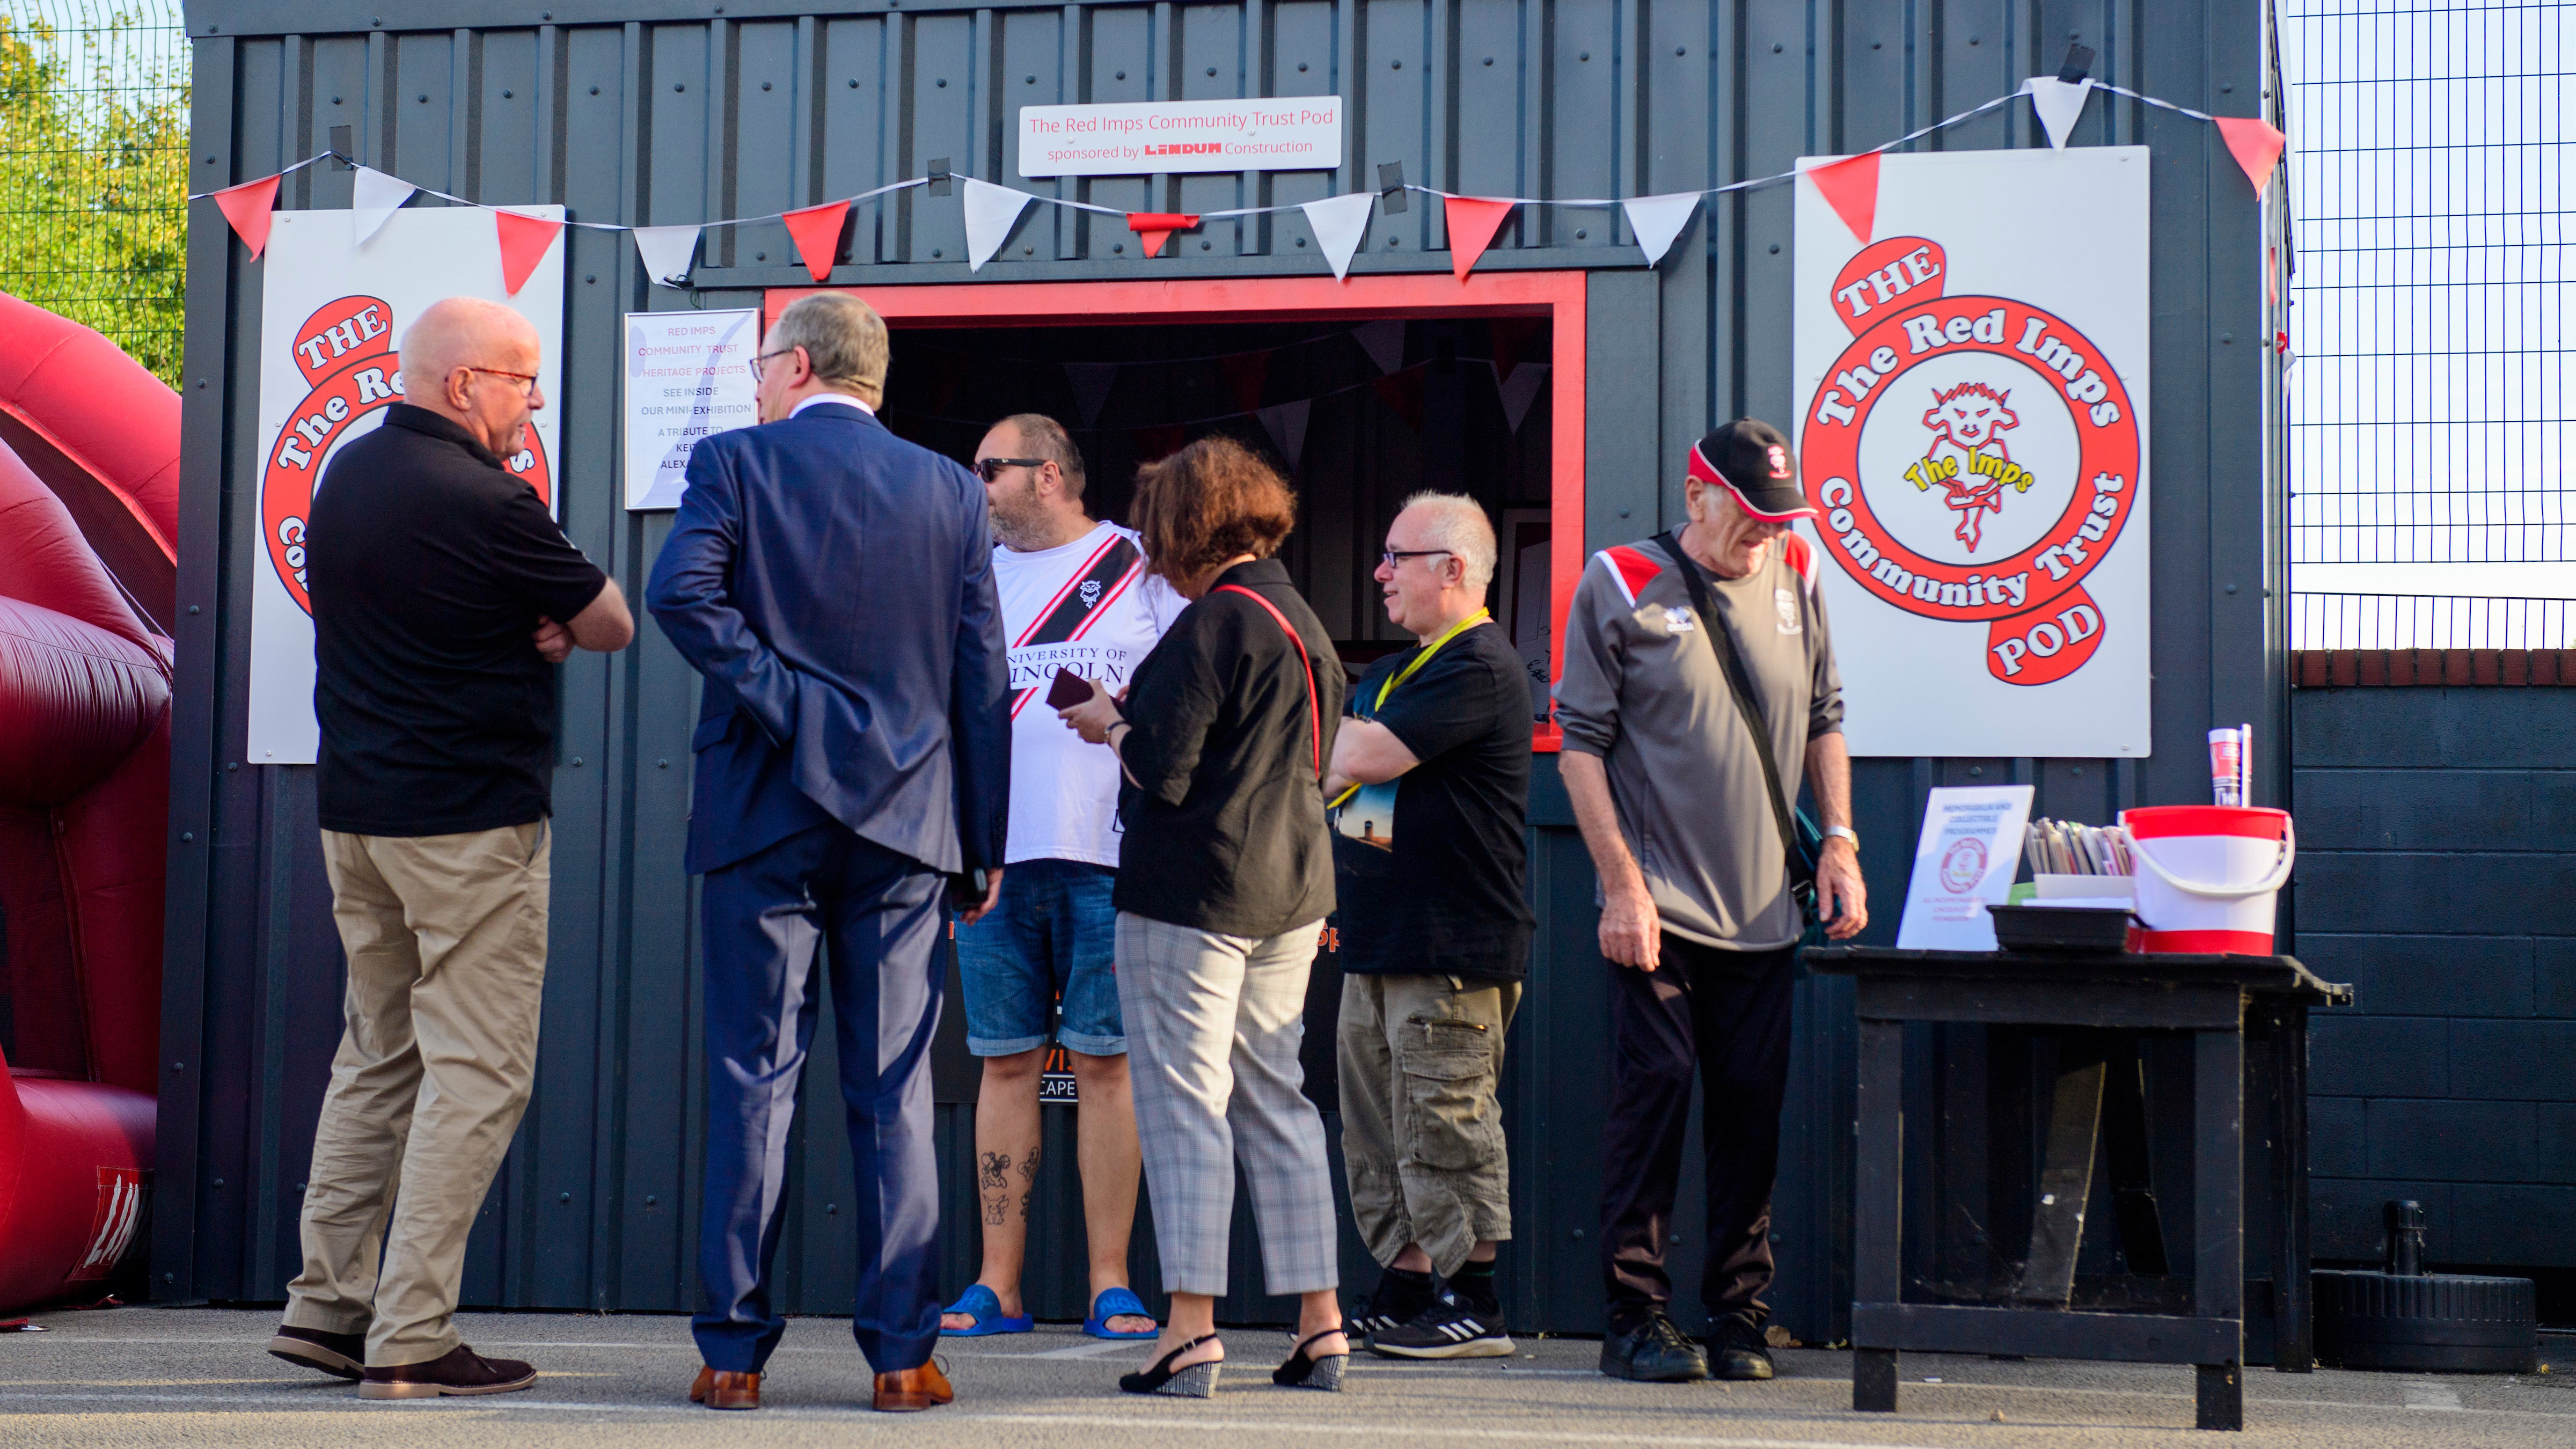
(332, 312)
(1972, 390)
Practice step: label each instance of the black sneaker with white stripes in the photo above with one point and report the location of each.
(1400, 1297)
(1449, 1328)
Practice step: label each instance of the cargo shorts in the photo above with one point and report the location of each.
(1422, 1134)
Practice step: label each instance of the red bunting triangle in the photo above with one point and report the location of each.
(1513, 337)
(1152, 228)
(816, 231)
(1850, 187)
(1402, 391)
(524, 240)
(1155, 444)
(2256, 144)
(1247, 373)
(248, 208)
(1472, 223)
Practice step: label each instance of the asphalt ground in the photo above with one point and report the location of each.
(154, 1376)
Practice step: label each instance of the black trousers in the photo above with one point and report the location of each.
(1726, 1013)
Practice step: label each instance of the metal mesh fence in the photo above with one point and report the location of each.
(2429, 417)
(94, 167)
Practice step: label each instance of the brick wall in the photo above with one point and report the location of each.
(2437, 873)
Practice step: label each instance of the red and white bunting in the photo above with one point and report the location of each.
(1850, 187)
(248, 207)
(667, 252)
(524, 242)
(373, 198)
(816, 230)
(1472, 220)
(1153, 228)
(1659, 220)
(991, 211)
(2256, 144)
(2059, 105)
(1339, 224)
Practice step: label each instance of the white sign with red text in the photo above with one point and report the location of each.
(1972, 388)
(331, 315)
(1964, 861)
(688, 374)
(1137, 138)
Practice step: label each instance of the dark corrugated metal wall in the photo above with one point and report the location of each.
(650, 112)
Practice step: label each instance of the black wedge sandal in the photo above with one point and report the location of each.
(1301, 1372)
(1198, 1381)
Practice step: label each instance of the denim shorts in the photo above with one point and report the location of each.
(1054, 936)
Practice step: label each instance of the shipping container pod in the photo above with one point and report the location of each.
(669, 111)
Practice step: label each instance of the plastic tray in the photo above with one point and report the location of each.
(2060, 928)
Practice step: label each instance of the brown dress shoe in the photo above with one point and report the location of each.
(459, 1371)
(718, 1389)
(909, 1391)
(341, 1355)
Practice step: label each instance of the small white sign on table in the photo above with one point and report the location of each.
(1964, 862)
(688, 374)
(1137, 138)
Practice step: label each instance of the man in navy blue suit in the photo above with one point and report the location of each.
(834, 584)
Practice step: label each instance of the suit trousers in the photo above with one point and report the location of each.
(446, 941)
(1213, 1025)
(766, 917)
(1727, 1013)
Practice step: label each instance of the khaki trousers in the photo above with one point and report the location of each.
(1422, 1136)
(446, 940)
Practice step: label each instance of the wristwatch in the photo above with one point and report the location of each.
(1846, 833)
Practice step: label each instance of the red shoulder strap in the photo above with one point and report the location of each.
(1314, 714)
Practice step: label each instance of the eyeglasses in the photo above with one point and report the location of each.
(527, 380)
(764, 357)
(989, 469)
(1395, 556)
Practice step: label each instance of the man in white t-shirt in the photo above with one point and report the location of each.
(1075, 596)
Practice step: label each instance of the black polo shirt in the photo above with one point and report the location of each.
(429, 565)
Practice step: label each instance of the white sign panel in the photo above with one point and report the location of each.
(331, 315)
(1135, 138)
(688, 374)
(1972, 386)
(1964, 862)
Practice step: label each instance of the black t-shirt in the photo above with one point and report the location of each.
(1448, 898)
(428, 565)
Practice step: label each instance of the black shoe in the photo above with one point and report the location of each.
(1653, 1352)
(1737, 1350)
(459, 1371)
(1446, 1329)
(341, 1355)
(1400, 1298)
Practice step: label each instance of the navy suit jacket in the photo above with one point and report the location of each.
(834, 584)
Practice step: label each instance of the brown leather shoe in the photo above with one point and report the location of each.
(909, 1391)
(459, 1371)
(718, 1389)
(341, 1355)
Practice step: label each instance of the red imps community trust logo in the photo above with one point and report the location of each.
(1963, 865)
(1999, 474)
(346, 352)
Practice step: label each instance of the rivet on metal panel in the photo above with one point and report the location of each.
(1207, 246)
(187, 837)
(1301, 241)
(1211, 70)
(2226, 336)
(1578, 1235)
(564, 1197)
(854, 82)
(424, 98)
(1120, 247)
(219, 1182)
(594, 90)
(1395, 65)
(592, 277)
(1581, 234)
(943, 83)
(1776, 47)
(661, 764)
(764, 85)
(1025, 80)
(1976, 771)
(1122, 75)
(1678, 50)
(513, 95)
(1623, 513)
(335, 100)
(1583, 55)
(178, 1066)
(679, 85)
(936, 252)
(2077, 770)
(1301, 66)
(1489, 60)
(831, 1209)
(576, 762)
(760, 256)
(1775, 249)
(650, 1200)
(1028, 251)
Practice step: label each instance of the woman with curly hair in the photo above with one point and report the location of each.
(1225, 876)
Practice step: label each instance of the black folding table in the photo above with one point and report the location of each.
(2093, 1015)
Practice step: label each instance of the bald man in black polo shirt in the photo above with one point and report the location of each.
(443, 595)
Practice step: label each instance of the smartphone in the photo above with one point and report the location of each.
(1068, 690)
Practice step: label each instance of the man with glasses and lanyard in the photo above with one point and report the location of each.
(1075, 597)
(1431, 780)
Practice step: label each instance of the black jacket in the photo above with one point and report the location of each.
(1225, 818)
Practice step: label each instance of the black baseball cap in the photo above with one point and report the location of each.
(1752, 461)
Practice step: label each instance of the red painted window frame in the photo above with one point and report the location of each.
(1555, 295)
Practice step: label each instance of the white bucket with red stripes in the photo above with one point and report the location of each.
(2207, 876)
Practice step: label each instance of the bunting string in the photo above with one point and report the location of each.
(1339, 222)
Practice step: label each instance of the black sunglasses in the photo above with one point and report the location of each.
(989, 469)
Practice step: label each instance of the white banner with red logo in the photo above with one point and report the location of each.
(1971, 370)
(331, 314)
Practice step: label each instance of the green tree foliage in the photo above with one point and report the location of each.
(94, 179)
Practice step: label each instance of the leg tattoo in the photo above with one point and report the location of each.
(995, 1184)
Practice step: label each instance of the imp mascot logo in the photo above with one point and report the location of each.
(1973, 459)
(346, 352)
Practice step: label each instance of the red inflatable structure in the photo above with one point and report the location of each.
(89, 453)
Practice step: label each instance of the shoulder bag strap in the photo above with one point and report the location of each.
(1721, 642)
(1314, 716)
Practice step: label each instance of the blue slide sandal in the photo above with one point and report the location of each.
(1116, 1303)
(979, 1304)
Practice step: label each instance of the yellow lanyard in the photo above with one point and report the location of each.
(1401, 675)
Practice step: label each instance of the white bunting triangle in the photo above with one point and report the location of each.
(990, 210)
(1091, 382)
(1520, 390)
(667, 252)
(1339, 222)
(1287, 424)
(1658, 220)
(376, 197)
(1383, 341)
(2059, 104)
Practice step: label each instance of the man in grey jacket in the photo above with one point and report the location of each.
(1697, 915)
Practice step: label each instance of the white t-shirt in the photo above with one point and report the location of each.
(1087, 606)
